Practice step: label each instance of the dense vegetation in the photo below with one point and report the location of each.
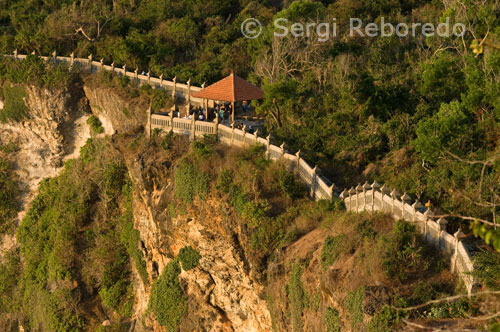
(76, 241)
(419, 113)
(9, 188)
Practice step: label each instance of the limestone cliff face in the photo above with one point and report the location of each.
(53, 133)
(223, 292)
(117, 112)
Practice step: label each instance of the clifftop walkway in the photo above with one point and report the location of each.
(366, 197)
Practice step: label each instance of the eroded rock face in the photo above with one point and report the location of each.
(118, 113)
(222, 293)
(54, 132)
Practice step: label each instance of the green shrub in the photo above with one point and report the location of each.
(297, 297)
(9, 147)
(353, 303)
(402, 252)
(130, 238)
(189, 258)
(95, 124)
(290, 186)
(15, 108)
(190, 182)
(383, 320)
(167, 299)
(332, 320)
(487, 269)
(332, 248)
(9, 192)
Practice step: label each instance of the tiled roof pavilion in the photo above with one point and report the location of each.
(231, 88)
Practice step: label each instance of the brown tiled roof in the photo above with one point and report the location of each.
(231, 88)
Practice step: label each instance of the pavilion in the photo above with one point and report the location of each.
(230, 89)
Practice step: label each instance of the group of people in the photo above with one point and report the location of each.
(223, 111)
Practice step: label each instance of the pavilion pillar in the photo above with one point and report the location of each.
(232, 115)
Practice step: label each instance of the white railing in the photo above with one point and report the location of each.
(372, 197)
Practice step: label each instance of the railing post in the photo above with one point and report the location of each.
(113, 67)
(54, 56)
(189, 94)
(136, 73)
(268, 153)
(256, 136)
(394, 195)
(15, 54)
(366, 187)
(148, 127)
(244, 133)
(298, 162)
(90, 62)
(458, 235)
(282, 147)
(352, 192)
(193, 126)
(330, 191)
(442, 229)
(175, 83)
(72, 56)
(102, 64)
(161, 80)
(416, 207)
(313, 181)
(124, 70)
(358, 189)
(149, 77)
(405, 199)
(375, 187)
(232, 133)
(172, 119)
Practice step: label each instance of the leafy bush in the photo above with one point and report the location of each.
(15, 108)
(487, 269)
(353, 302)
(332, 320)
(297, 297)
(9, 192)
(189, 258)
(167, 299)
(290, 186)
(95, 124)
(332, 248)
(190, 182)
(402, 252)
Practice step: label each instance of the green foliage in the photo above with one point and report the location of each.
(487, 269)
(383, 320)
(95, 124)
(190, 182)
(353, 303)
(9, 147)
(332, 320)
(402, 252)
(71, 237)
(290, 186)
(167, 299)
(440, 132)
(9, 193)
(14, 108)
(9, 272)
(189, 258)
(297, 297)
(34, 71)
(488, 234)
(332, 248)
